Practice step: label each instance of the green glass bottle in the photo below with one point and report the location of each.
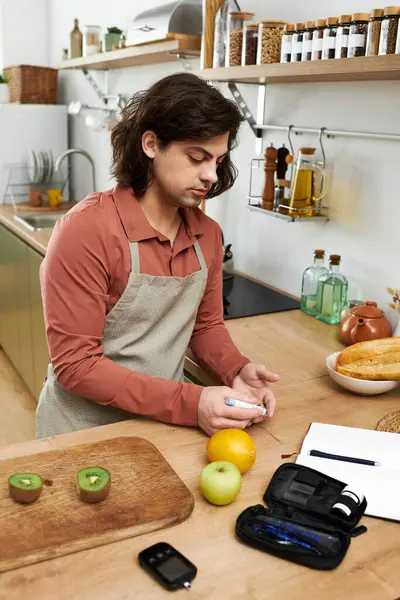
(309, 283)
(331, 293)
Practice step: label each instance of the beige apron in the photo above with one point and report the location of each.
(148, 331)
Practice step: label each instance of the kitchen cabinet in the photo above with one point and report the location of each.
(22, 330)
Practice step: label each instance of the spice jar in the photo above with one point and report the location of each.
(342, 36)
(91, 40)
(297, 42)
(374, 32)
(390, 22)
(318, 36)
(286, 51)
(234, 37)
(329, 39)
(270, 41)
(358, 35)
(250, 43)
(307, 41)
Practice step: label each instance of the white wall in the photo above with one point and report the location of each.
(364, 196)
(24, 33)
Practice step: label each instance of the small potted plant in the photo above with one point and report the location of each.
(4, 91)
(112, 38)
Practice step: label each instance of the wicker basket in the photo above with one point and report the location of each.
(32, 85)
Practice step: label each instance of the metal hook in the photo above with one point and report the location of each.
(321, 133)
(289, 131)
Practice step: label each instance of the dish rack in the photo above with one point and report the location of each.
(18, 178)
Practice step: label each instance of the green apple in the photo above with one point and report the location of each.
(220, 482)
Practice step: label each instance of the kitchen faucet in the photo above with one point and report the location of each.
(62, 156)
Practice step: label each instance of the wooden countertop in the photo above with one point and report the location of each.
(36, 239)
(295, 346)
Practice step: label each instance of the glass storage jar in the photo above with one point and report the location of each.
(342, 36)
(270, 35)
(286, 49)
(297, 42)
(307, 41)
(329, 39)
(234, 37)
(318, 36)
(390, 23)
(374, 32)
(358, 35)
(250, 44)
(398, 52)
(91, 40)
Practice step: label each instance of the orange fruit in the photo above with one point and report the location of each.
(233, 445)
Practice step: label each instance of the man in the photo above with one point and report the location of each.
(133, 277)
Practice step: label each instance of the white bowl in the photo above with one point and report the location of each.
(364, 387)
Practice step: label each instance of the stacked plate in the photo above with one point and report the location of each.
(40, 166)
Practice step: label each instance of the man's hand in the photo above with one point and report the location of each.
(253, 380)
(214, 414)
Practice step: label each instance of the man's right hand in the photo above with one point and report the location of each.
(214, 414)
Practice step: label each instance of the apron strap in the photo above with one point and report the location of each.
(135, 262)
(200, 257)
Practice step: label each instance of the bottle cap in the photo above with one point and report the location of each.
(240, 16)
(376, 12)
(392, 10)
(345, 19)
(310, 24)
(289, 28)
(299, 26)
(321, 22)
(335, 259)
(361, 16)
(307, 150)
(283, 182)
(332, 21)
(319, 253)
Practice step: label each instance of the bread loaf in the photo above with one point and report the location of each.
(374, 360)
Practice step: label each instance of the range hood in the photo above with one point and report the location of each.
(180, 17)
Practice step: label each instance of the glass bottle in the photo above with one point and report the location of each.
(331, 293)
(329, 39)
(307, 41)
(374, 32)
(317, 43)
(220, 34)
(342, 37)
(309, 285)
(250, 44)
(390, 23)
(76, 41)
(358, 35)
(304, 199)
(297, 42)
(286, 52)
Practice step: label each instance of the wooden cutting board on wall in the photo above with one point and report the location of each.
(146, 494)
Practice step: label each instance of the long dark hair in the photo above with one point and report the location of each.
(177, 108)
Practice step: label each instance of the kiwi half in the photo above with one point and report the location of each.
(25, 487)
(93, 484)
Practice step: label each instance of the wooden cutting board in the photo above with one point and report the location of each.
(146, 494)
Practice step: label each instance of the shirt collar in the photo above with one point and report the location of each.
(136, 225)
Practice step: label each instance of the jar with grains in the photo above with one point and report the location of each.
(342, 36)
(390, 23)
(318, 36)
(358, 34)
(307, 41)
(329, 39)
(234, 37)
(250, 43)
(270, 42)
(374, 32)
(286, 51)
(297, 42)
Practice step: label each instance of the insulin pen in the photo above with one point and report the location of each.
(241, 404)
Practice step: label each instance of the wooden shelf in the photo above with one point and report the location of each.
(134, 56)
(371, 68)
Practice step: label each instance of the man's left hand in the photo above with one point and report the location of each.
(253, 380)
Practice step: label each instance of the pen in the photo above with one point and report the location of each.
(283, 537)
(359, 461)
(241, 404)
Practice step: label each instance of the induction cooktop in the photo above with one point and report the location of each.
(246, 298)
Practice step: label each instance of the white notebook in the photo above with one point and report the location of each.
(380, 484)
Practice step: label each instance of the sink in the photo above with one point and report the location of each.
(39, 222)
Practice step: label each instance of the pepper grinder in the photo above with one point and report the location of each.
(282, 163)
(271, 155)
